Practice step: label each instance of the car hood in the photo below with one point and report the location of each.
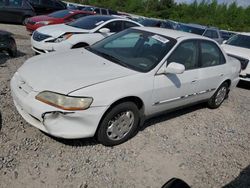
(69, 71)
(43, 18)
(237, 51)
(59, 29)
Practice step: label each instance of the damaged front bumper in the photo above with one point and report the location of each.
(63, 124)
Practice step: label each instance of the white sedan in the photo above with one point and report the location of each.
(239, 47)
(80, 33)
(108, 89)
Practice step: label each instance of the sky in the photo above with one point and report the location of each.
(240, 2)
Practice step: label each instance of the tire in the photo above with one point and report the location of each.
(13, 49)
(119, 124)
(219, 96)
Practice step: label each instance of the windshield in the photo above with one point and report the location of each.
(240, 41)
(189, 29)
(89, 22)
(134, 49)
(60, 14)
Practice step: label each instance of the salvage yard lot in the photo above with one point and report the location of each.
(207, 148)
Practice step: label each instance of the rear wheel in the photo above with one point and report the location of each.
(219, 96)
(119, 124)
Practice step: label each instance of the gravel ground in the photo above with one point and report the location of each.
(206, 148)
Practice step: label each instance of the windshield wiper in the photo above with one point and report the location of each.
(109, 57)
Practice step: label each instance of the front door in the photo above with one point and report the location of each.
(174, 90)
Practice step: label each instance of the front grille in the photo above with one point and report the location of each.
(244, 62)
(39, 36)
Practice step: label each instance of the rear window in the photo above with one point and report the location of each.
(89, 22)
(60, 14)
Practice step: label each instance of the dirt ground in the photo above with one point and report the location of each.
(206, 148)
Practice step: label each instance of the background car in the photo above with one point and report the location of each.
(210, 32)
(80, 33)
(7, 43)
(15, 11)
(109, 88)
(238, 47)
(47, 6)
(101, 11)
(226, 34)
(61, 16)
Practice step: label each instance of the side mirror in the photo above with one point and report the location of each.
(175, 68)
(104, 30)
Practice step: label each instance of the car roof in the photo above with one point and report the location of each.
(244, 33)
(171, 33)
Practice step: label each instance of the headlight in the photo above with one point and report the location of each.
(44, 22)
(63, 101)
(63, 37)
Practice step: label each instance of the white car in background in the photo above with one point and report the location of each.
(109, 88)
(80, 33)
(239, 47)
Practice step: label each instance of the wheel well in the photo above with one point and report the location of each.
(138, 102)
(228, 82)
(80, 45)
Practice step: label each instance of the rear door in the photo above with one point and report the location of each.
(212, 70)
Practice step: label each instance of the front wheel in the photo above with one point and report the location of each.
(119, 124)
(219, 96)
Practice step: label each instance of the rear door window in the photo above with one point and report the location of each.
(211, 55)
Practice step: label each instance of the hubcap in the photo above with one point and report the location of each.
(220, 95)
(120, 125)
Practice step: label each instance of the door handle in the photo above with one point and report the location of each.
(221, 75)
(194, 81)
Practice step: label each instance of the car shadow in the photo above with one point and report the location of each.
(5, 57)
(242, 181)
(168, 115)
(149, 122)
(244, 85)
